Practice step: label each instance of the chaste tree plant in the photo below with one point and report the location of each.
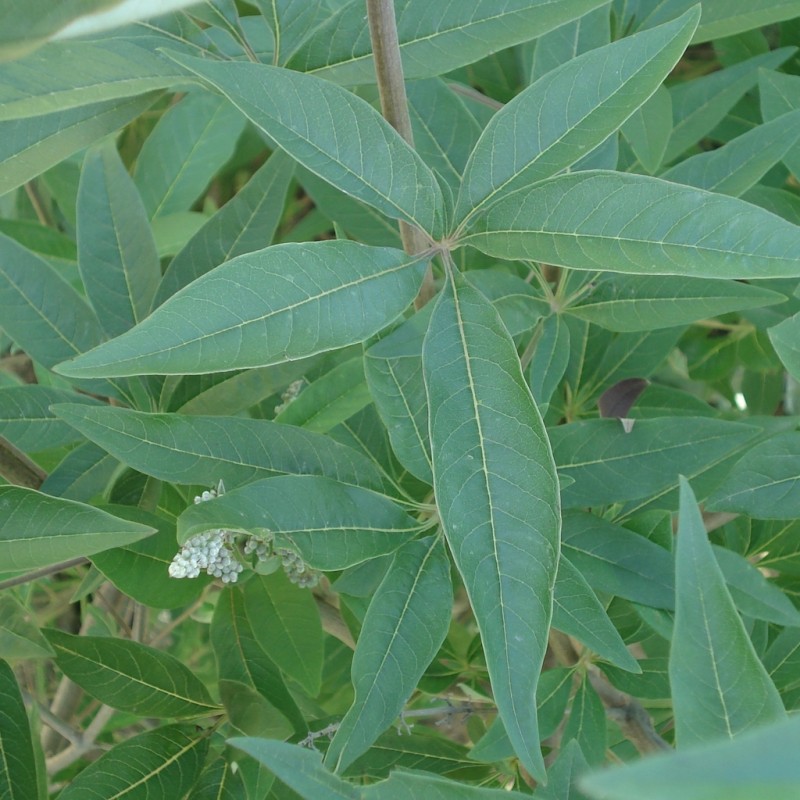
(399, 400)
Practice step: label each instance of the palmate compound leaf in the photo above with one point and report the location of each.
(610, 221)
(278, 304)
(37, 530)
(331, 525)
(497, 494)
(406, 623)
(568, 112)
(719, 686)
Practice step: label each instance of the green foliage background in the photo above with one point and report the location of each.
(501, 426)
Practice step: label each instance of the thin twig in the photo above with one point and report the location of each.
(43, 572)
(394, 106)
(626, 711)
(474, 94)
(17, 468)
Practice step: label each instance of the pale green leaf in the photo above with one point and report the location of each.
(20, 637)
(279, 304)
(292, 21)
(497, 493)
(567, 113)
(298, 767)
(637, 224)
(759, 764)
(285, 621)
(204, 450)
(160, 764)
(117, 256)
(18, 774)
(56, 77)
(577, 612)
(549, 361)
(629, 303)
(41, 312)
(329, 400)
(131, 677)
(37, 530)
(331, 525)
(433, 39)
(241, 658)
(586, 33)
(785, 338)
(28, 147)
(244, 224)
(586, 724)
(406, 785)
(188, 146)
(719, 687)
(610, 465)
(649, 128)
(725, 18)
(764, 483)
(700, 104)
(82, 474)
(330, 131)
(27, 421)
(738, 165)
(562, 774)
(406, 623)
(618, 561)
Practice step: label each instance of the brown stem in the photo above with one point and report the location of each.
(394, 107)
(626, 711)
(43, 572)
(17, 468)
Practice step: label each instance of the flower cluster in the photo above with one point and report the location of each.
(290, 395)
(222, 553)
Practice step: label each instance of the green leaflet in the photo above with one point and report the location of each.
(406, 623)
(27, 421)
(761, 763)
(648, 129)
(298, 767)
(641, 303)
(55, 78)
(285, 623)
(244, 224)
(567, 113)
(609, 221)
(722, 18)
(763, 484)
(298, 113)
(130, 676)
(738, 165)
(30, 146)
(610, 466)
(241, 658)
(18, 776)
(204, 450)
(161, 763)
(37, 530)
(719, 687)
(188, 146)
(698, 105)
(331, 525)
(278, 304)
(117, 255)
(433, 39)
(497, 494)
(577, 612)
